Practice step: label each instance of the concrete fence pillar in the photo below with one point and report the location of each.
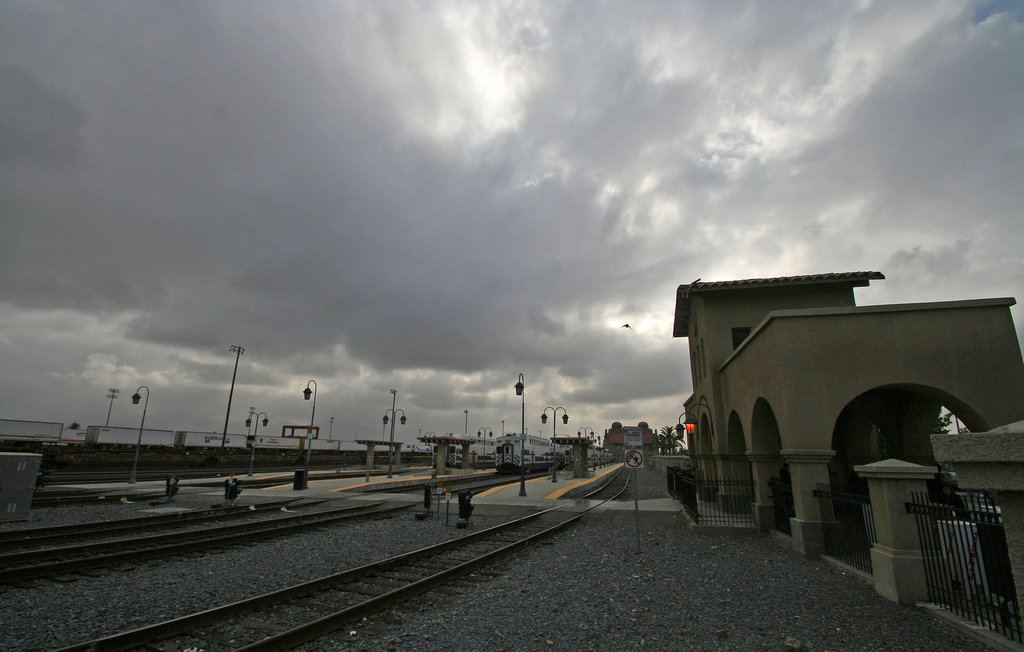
(896, 560)
(993, 461)
(807, 469)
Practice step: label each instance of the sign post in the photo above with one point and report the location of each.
(634, 461)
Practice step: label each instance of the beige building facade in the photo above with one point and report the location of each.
(792, 379)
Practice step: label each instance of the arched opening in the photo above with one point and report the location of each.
(735, 458)
(895, 421)
(764, 429)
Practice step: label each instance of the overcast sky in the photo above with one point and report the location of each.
(438, 196)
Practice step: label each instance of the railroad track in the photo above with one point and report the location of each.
(59, 498)
(36, 537)
(289, 617)
(17, 567)
(59, 477)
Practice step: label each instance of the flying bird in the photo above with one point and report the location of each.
(625, 326)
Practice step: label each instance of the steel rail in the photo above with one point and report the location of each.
(41, 536)
(168, 544)
(181, 627)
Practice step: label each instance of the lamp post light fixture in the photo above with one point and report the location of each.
(111, 394)
(391, 446)
(238, 351)
(252, 442)
(554, 427)
(306, 393)
(136, 397)
(521, 391)
(689, 424)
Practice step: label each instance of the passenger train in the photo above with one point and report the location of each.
(539, 453)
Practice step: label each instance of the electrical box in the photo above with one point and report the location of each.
(17, 484)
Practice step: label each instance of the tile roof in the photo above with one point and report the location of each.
(682, 316)
(858, 278)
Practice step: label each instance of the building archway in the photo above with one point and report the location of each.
(893, 421)
(734, 453)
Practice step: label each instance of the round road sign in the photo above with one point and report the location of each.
(634, 459)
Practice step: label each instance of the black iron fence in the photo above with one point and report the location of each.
(785, 508)
(967, 566)
(848, 524)
(713, 501)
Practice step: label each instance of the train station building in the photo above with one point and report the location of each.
(793, 382)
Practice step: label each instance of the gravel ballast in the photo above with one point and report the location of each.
(585, 589)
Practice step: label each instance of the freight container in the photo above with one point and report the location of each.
(43, 431)
(194, 439)
(128, 436)
(277, 442)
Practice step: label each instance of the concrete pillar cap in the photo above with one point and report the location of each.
(895, 469)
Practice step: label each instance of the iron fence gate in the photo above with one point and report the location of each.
(848, 524)
(966, 563)
(713, 501)
(785, 508)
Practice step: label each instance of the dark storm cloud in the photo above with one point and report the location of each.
(38, 125)
(437, 196)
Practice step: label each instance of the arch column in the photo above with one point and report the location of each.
(441, 464)
(581, 460)
(807, 468)
(764, 466)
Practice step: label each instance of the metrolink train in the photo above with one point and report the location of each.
(538, 452)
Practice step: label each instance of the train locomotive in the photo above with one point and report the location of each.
(538, 453)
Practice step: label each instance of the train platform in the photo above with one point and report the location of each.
(500, 500)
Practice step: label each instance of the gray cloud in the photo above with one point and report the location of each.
(436, 197)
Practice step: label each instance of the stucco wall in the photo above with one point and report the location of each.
(810, 364)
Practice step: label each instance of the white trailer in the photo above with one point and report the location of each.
(42, 431)
(194, 439)
(70, 436)
(277, 442)
(128, 436)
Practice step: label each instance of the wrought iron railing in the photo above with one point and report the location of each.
(848, 524)
(966, 563)
(713, 501)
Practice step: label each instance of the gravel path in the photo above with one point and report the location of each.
(585, 589)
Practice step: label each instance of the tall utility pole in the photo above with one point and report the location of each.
(112, 394)
(238, 351)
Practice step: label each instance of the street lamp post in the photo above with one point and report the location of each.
(111, 394)
(689, 424)
(521, 391)
(136, 397)
(309, 437)
(252, 442)
(238, 351)
(554, 426)
(391, 446)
